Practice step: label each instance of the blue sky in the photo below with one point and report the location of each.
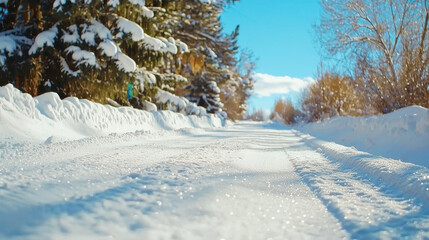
(280, 34)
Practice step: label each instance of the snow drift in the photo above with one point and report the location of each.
(48, 118)
(402, 135)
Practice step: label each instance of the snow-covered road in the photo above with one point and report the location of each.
(245, 181)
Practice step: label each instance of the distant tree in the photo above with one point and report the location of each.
(333, 95)
(284, 111)
(258, 115)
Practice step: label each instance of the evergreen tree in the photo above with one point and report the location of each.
(95, 48)
(20, 21)
(211, 64)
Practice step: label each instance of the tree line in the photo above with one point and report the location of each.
(173, 53)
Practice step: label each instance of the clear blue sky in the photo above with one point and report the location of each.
(281, 36)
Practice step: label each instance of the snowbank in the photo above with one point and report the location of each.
(403, 134)
(48, 118)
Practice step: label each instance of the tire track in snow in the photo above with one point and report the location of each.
(216, 185)
(367, 206)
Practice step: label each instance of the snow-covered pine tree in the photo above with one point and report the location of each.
(211, 64)
(92, 43)
(88, 48)
(20, 21)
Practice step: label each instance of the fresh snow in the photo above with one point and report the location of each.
(402, 135)
(169, 45)
(7, 45)
(129, 27)
(84, 57)
(47, 116)
(108, 48)
(74, 169)
(66, 69)
(43, 39)
(183, 47)
(125, 63)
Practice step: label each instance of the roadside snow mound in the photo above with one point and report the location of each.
(403, 134)
(47, 117)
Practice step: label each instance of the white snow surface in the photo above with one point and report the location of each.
(47, 116)
(403, 134)
(131, 174)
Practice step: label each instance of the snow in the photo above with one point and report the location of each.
(153, 43)
(43, 39)
(145, 76)
(72, 35)
(113, 3)
(108, 47)
(74, 169)
(7, 44)
(99, 29)
(37, 119)
(84, 57)
(129, 27)
(166, 97)
(211, 54)
(66, 69)
(169, 45)
(125, 63)
(182, 46)
(147, 12)
(402, 135)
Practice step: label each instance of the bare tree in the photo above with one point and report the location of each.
(387, 37)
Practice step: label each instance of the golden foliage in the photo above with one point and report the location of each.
(195, 61)
(285, 110)
(333, 95)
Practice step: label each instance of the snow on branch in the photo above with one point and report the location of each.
(181, 103)
(7, 44)
(141, 3)
(84, 57)
(108, 48)
(129, 27)
(170, 45)
(153, 43)
(66, 69)
(125, 63)
(183, 47)
(10, 43)
(45, 38)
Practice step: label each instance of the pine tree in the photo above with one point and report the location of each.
(20, 21)
(94, 48)
(88, 49)
(211, 64)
